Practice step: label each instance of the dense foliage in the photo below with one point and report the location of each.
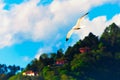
(102, 62)
(8, 71)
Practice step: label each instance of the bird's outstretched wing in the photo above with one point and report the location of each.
(79, 20)
(69, 34)
(76, 27)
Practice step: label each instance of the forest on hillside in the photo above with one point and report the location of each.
(93, 58)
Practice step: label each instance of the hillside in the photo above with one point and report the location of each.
(92, 58)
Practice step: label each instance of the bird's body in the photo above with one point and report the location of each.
(76, 27)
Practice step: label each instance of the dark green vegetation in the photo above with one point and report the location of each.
(101, 62)
(8, 71)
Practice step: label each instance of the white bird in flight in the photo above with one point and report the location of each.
(76, 27)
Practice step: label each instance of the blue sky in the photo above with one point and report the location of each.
(106, 9)
(32, 27)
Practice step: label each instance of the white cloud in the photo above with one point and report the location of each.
(97, 25)
(42, 50)
(39, 53)
(115, 19)
(40, 22)
(26, 59)
(1, 4)
(48, 24)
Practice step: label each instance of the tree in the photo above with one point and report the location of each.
(111, 38)
(44, 56)
(59, 53)
(90, 41)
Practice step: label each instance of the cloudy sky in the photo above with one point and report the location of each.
(29, 28)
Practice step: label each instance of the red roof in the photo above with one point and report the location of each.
(60, 62)
(84, 49)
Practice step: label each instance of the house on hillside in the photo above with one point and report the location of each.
(29, 73)
(84, 49)
(60, 62)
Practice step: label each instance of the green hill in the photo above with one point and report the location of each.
(92, 58)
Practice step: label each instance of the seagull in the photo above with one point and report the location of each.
(76, 27)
